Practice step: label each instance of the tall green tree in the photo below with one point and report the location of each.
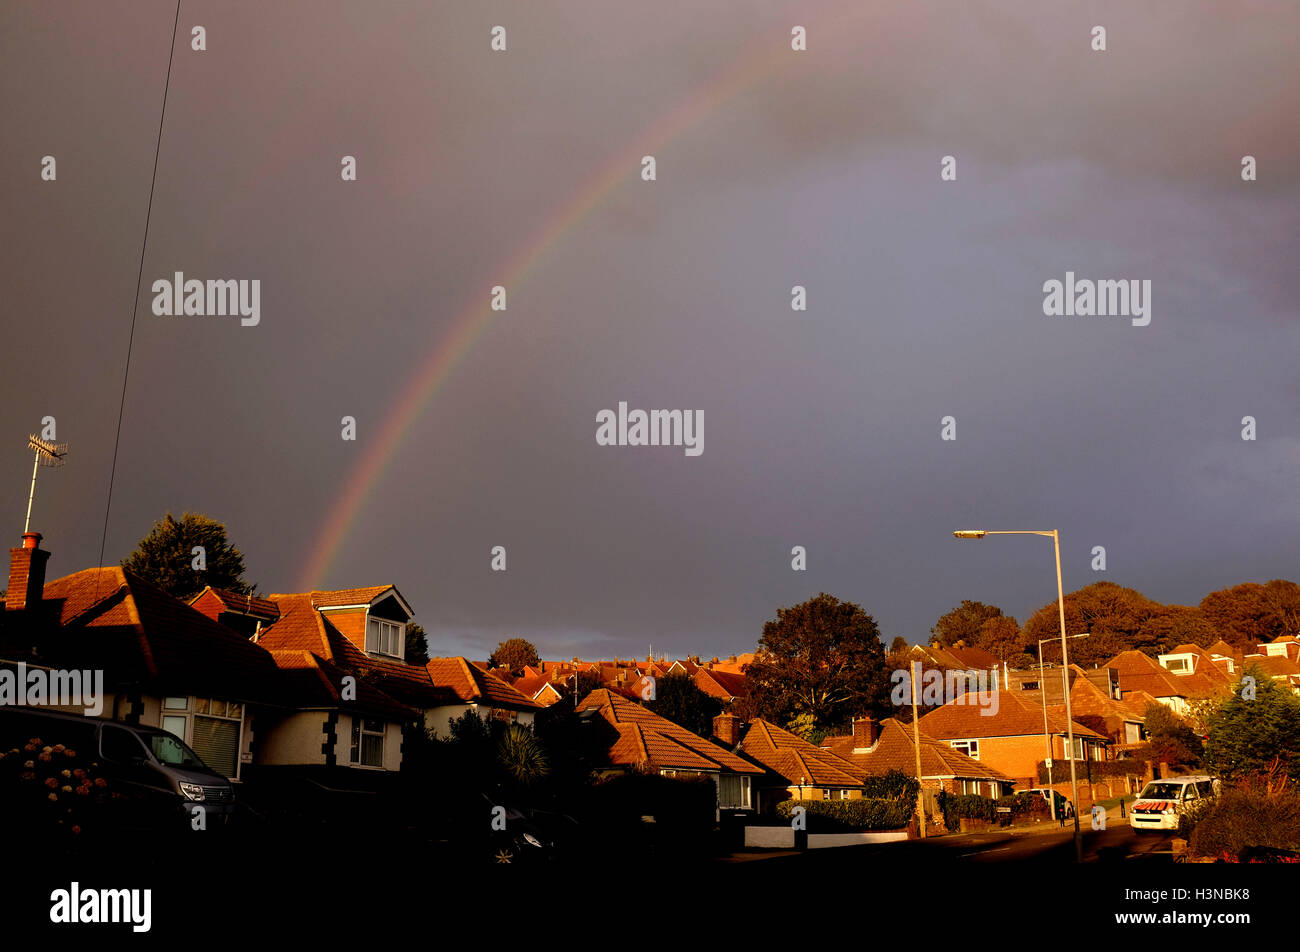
(823, 657)
(963, 623)
(1260, 721)
(678, 699)
(417, 645)
(515, 654)
(181, 557)
(1170, 739)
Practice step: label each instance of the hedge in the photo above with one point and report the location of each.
(1242, 818)
(1091, 770)
(850, 816)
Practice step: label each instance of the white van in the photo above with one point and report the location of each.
(1161, 802)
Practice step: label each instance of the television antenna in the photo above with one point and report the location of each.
(47, 454)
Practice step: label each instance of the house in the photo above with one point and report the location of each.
(873, 752)
(474, 689)
(345, 648)
(1140, 672)
(164, 664)
(726, 686)
(804, 770)
(1009, 734)
(636, 738)
(1198, 668)
(538, 687)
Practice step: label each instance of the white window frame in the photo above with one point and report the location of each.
(971, 748)
(383, 629)
(359, 725)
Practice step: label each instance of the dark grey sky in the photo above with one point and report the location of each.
(821, 428)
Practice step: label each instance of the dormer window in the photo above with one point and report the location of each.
(385, 637)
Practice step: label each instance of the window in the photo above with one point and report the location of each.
(1177, 664)
(212, 729)
(826, 793)
(971, 748)
(367, 742)
(385, 637)
(733, 792)
(121, 745)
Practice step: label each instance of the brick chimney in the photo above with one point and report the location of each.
(726, 728)
(26, 573)
(864, 733)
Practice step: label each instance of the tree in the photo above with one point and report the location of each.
(1169, 738)
(1000, 636)
(515, 654)
(167, 557)
(1260, 721)
(417, 645)
(1169, 626)
(963, 623)
(1251, 614)
(822, 657)
(678, 699)
(898, 645)
(1112, 614)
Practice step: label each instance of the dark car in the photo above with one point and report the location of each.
(136, 776)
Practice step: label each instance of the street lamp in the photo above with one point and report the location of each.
(1065, 657)
(1047, 740)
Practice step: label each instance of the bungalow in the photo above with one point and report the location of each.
(473, 689)
(165, 664)
(804, 770)
(345, 649)
(1140, 672)
(874, 752)
(639, 739)
(1011, 738)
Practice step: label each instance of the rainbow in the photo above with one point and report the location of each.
(765, 57)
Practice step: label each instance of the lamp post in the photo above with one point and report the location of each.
(1065, 658)
(1047, 739)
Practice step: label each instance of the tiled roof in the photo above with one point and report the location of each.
(303, 627)
(472, 684)
(315, 682)
(345, 596)
(1275, 666)
(723, 684)
(117, 621)
(652, 742)
(243, 604)
(963, 718)
(1139, 672)
(796, 759)
(894, 750)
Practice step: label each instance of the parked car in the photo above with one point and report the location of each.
(157, 779)
(1161, 802)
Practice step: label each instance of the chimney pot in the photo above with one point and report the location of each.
(32, 540)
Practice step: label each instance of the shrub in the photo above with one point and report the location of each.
(894, 785)
(850, 816)
(1244, 817)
